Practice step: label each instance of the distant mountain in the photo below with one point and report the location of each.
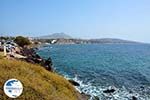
(63, 40)
(55, 36)
(110, 40)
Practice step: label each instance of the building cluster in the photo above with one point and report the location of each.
(9, 47)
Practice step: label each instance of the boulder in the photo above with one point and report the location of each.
(134, 98)
(48, 64)
(109, 91)
(74, 83)
(95, 98)
(83, 96)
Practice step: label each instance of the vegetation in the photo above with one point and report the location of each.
(38, 83)
(22, 41)
(6, 38)
(1, 55)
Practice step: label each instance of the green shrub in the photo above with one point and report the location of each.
(22, 41)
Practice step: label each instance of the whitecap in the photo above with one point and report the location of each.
(97, 91)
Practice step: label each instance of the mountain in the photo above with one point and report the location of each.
(86, 41)
(55, 36)
(110, 40)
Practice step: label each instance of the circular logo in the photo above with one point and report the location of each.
(13, 88)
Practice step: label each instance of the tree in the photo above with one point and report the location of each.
(4, 38)
(22, 41)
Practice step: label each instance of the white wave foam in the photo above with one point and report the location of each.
(97, 91)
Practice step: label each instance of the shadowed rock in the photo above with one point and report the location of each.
(83, 96)
(95, 98)
(34, 58)
(48, 64)
(109, 91)
(134, 98)
(74, 83)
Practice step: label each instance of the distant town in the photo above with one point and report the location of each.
(60, 38)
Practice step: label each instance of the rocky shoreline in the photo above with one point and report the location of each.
(108, 91)
(32, 57)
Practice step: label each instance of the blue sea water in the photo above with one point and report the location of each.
(97, 67)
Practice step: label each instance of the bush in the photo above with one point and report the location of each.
(22, 41)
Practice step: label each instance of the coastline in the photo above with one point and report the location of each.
(34, 58)
(84, 91)
(41, 68)
(88, 88)
(81, 95)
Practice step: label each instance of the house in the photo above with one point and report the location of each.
(53, 41)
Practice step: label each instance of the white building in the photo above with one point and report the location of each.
(53, 41)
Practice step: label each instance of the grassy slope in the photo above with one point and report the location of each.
(38, 83)
(1, 55)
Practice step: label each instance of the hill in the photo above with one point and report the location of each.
(87, 41)
(110, 40)
(55, 36)
(38, 83)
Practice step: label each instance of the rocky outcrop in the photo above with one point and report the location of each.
(109, 90)
(74, 83)
(134, 98)
(48, 64)
(34, 58)
(95, 98)
(83, 96)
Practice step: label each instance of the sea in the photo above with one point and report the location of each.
(100, 67)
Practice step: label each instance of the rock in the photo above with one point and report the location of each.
(74, 83)
(12, 56)
(134, 98)
(37, 60)
(37, 56)
(83, 96)
(34, 58)
(142, 87)
(130, 91)
(48, 64)
(29, 60)
(27, 52)
(95, 98)
(36, 48)
(109, 91)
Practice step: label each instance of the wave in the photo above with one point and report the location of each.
(98, 91)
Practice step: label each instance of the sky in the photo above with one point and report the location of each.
(124, 19)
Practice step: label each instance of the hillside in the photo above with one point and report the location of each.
(87, 41)
(55, 36)
(38, 83)
(110, 40)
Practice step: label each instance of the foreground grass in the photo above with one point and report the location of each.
(38, 83)
(1, 55)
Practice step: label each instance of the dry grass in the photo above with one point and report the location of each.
(1, 55)
(39, 84)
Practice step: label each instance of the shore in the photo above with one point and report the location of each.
(30, 55)
(34, 58)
